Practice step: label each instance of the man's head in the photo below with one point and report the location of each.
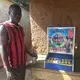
(15, 13)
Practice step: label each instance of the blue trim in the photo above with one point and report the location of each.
(58, 67)
(61, 56)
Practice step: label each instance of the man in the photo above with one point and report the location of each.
(12, 47)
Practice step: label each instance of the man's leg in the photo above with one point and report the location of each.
(10, 76)
(21, 73)
(13, 75)
(16, 74)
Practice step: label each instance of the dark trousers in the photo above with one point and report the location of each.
(16, 74)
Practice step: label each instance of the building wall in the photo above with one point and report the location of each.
(44, 13)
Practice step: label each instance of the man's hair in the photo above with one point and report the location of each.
(14, 7)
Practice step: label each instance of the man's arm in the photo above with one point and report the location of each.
(31, 53)
(3, 42)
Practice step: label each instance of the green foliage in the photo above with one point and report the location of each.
(25, 3)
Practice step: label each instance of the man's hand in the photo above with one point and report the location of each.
(33, 54)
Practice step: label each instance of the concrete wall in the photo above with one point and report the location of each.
(44, 13)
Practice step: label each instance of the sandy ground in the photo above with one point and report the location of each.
(43, 74)
(39, 73)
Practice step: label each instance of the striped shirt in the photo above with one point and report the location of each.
(15, 46)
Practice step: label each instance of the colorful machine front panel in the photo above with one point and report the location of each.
(60, 48)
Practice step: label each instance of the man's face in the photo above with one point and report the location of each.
(15, 16)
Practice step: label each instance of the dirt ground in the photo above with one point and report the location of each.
(44, 74)
(39, 73)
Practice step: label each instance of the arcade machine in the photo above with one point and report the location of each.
(61, 41)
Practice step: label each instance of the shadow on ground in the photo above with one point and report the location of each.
(40, 73)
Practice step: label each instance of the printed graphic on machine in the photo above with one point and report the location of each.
(61, 40)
